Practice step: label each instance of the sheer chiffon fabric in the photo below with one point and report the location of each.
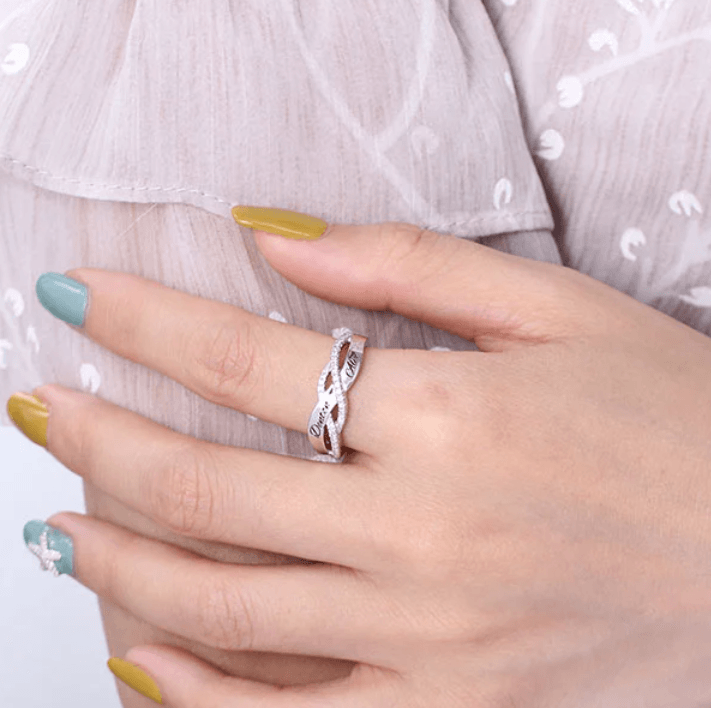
(128, 130)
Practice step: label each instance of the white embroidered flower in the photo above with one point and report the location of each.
(552, 145)
(604, 38)
(502, 193)
(630, 238)
(701, 297)
(16, 59)
(32, 338)
(5, 346)
(13, 305)
(570, 89)
(17, 302)
(90, 378)
(47, 557)
(686, 201)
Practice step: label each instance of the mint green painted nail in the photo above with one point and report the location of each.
(64, 297)
(54, 549)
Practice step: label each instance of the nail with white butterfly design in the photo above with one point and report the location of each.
(54, 549)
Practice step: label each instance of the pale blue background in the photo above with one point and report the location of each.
(52, 648)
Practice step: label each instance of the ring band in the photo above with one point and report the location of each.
(325, 431)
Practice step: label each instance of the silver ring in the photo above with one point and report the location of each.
(325, 431)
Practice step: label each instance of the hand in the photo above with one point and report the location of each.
(546, 539)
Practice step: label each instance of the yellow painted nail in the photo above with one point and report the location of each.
(30, 416)
(290, 224)
(135, 678)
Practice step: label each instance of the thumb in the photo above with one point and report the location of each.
(478, 293)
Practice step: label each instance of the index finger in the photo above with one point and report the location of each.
(223, 353)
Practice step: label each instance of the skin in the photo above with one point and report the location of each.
(124, 630)
(546, 538)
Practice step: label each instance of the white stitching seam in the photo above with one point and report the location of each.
(70, 180)
(176, 190)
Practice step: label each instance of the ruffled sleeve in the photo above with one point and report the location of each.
(287, 104)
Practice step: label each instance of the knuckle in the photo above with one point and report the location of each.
(403, 242)
(439, 418)
(224, 616)
(396, 246)
(225, 360)
(78, 444)
(408, 243)
(437, 400)
(182, 494)
(106, 575)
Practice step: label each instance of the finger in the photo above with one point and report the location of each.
(498, 300)
(310, 610)
(213, 492)
(223, 353)
(180, 680)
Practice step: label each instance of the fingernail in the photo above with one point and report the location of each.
(137, 679)
(54, 549)
(290, 224)
(30, 415)
(64, 297)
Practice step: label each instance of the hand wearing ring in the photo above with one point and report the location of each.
(547, 531)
